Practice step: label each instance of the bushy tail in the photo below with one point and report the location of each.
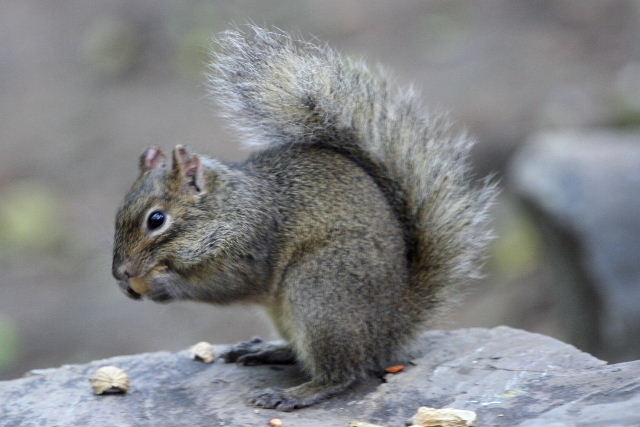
(280, 90)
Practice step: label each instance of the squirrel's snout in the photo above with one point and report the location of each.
(121, 272)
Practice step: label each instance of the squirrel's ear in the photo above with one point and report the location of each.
(152, 158)
(189, 168)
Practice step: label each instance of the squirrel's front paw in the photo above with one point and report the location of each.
(275, 398)
(163, 285)
(259, 352)
(234, 352)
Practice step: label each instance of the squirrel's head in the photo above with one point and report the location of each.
(164, 216)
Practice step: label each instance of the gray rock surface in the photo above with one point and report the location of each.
(509, 377)
(583, 189)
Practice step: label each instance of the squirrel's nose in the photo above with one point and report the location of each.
(122, 272)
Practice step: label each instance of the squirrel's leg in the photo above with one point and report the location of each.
(258, 352)
(330, 372)
(340, 309)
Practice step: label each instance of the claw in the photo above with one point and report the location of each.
(236, 352)
(253, 359)
(274, 398)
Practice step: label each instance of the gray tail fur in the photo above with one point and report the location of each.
(280, 90)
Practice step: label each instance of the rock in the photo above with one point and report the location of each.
(583, 190)
(507, 376)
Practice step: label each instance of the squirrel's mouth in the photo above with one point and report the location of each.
(126, 289)
(138, 288)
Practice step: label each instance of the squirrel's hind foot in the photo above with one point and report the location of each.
(288, 399)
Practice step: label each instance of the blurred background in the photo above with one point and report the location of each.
(551, 91)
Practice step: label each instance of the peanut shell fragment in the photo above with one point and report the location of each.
(203, 351)
(109, 379)
(445, 417)
(395, 369)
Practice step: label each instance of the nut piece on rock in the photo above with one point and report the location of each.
(445, 417)
(203, 351)
(110, 380)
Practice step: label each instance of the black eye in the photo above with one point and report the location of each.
(155, 220)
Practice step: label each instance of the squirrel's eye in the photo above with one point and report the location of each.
(155, 220)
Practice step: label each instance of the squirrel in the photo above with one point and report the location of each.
(351, 221)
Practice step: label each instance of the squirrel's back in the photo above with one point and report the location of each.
(281, 91)
(323, 195)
